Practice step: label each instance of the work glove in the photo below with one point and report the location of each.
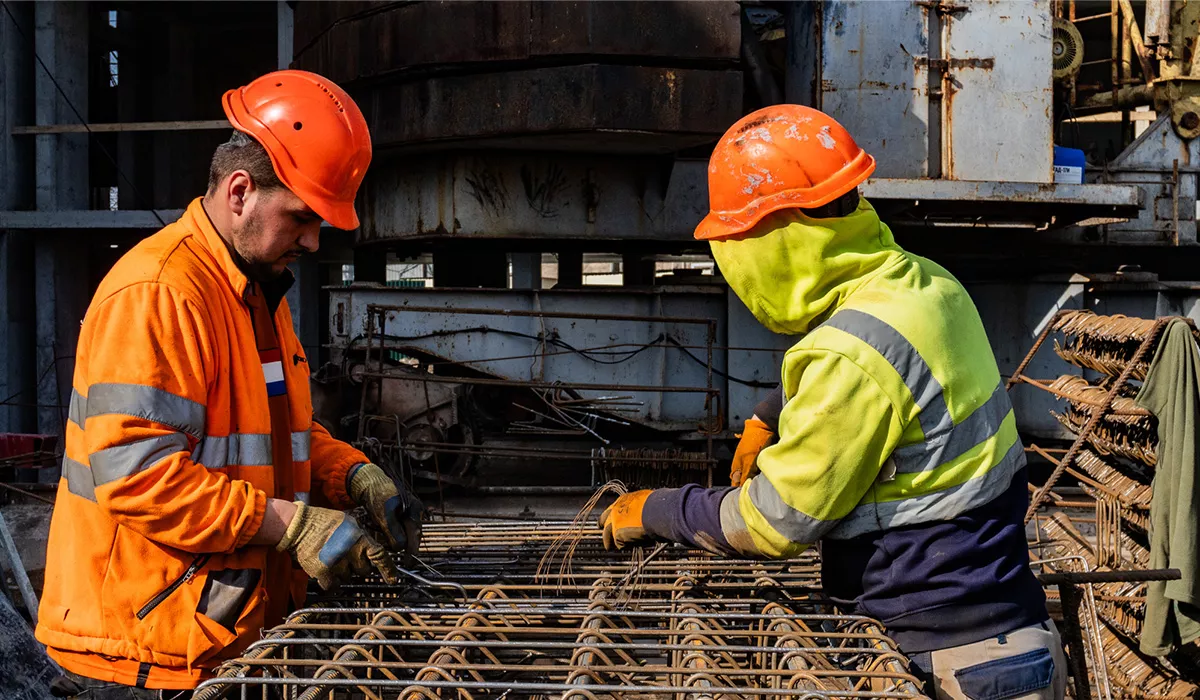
(396, 515)
(328, 545)
(622, 522)
(754, 438)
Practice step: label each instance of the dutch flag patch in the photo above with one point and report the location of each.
(272, 366)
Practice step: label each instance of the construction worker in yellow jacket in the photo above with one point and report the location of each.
(897, 447)
(198, 495)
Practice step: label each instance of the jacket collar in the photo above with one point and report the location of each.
(196, 219)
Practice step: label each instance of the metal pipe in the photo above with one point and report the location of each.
(1135, 96)
(1133, 39)
(18, 570)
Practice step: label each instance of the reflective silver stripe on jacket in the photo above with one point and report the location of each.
(944, 440)
(79, 478)
(146, 402)
(247, 449)
(873, 517)
(932, 507)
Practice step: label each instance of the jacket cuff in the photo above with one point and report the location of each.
(691, 515)
(256, 519)
(336, 487)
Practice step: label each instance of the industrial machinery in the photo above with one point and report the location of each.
(569, 135)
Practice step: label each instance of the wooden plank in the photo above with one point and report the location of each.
(120, 127)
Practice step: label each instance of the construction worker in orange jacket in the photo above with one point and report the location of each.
(198, 496)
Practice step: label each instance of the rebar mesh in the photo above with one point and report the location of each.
(694, 626)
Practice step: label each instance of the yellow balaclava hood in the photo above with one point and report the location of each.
(792, 272)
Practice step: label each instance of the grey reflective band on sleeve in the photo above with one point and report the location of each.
(733, 525)
(77, 410)
(944, 440)
(301, 445)
(247, 450)
(120, 461)
(147, 402)
(931, 507)
(79, 479)
(793, 524)
(238, 449)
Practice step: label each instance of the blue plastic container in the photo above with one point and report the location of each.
(1068, 165)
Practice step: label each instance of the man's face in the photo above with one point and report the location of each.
(274, 229)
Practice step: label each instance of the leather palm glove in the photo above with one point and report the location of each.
(754, 438)
(623, 524)
(328, 545)
(396, 515)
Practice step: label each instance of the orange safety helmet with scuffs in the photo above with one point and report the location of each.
(780, 157)
(314, 133)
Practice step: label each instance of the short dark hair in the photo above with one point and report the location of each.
(241, 152)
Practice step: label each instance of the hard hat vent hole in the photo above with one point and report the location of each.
(297, 126)
(278, 84)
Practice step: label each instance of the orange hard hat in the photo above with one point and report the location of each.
(315, 135)
(779, 157)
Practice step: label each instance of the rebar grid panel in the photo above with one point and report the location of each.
(687, 625)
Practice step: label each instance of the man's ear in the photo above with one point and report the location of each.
(238, 188)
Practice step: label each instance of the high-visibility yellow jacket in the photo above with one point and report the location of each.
(898, 447)
(895, 414)
(168, 464)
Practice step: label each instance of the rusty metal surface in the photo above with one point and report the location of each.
(871, 85)
(483, 624)
(1121, 609)
(999, 63)
(349, 41)
(552, 343)
(592, 107)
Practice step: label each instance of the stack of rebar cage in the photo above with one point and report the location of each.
(480, 621)
(1113, 459)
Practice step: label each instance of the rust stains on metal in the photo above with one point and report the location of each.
(954, 63)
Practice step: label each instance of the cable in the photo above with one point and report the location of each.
(628, 355)
(133, 188)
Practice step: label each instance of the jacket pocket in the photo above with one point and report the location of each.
(184, 578)
(230, 605)
(1009, 677)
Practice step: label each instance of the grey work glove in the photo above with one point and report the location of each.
(329, 545)
(397, 515)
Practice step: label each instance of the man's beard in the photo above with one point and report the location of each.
(256, 270)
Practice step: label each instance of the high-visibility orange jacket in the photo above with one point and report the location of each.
(168, 465)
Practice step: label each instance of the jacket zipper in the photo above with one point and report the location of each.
(186, 576)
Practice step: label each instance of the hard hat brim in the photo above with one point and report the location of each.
(726, 224)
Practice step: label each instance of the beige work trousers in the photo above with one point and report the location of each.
(1025, 664)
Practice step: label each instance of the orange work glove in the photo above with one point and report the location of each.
(754, 438)
(622, 521)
